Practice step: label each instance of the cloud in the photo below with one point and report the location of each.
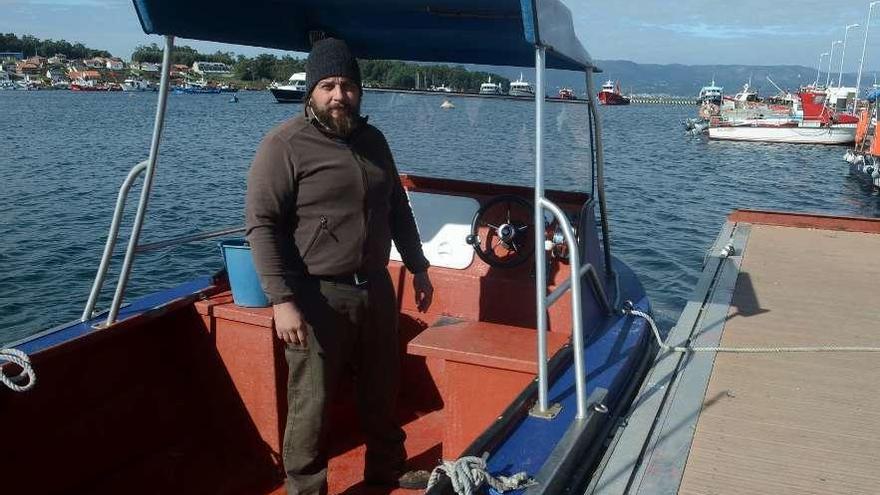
(721, 32)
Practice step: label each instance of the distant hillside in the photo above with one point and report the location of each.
(686, 80)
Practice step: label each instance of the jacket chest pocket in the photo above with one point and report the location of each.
(321, 230)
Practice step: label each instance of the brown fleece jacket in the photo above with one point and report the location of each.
(322, 206)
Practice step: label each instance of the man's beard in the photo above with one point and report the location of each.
(342, 125)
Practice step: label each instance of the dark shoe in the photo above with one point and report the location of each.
(410, 480)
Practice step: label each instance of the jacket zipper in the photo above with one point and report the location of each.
(321, 227)
(366, 215)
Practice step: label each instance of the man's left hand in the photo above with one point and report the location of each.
(424, 291)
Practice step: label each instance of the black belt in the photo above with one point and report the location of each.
(355, 279)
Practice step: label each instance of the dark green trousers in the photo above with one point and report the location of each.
(349, 329)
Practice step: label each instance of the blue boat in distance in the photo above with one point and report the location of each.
(524, 365)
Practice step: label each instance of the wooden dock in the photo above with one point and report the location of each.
(765, 423)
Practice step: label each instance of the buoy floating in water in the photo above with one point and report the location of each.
(446, 105)
(234, 99)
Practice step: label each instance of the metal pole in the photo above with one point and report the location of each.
(540, 254)
(600, 175)
(843, 53)
(864, 49)
(148, 183)
(830, 58)
(819, 69)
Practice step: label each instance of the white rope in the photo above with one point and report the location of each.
(469, 473)
(744, 350)
(21, 359)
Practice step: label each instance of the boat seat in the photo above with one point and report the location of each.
(443, 222)
(484, 367)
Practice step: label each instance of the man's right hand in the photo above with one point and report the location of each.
(289, 324)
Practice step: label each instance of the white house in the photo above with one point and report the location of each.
(115, 64)
(56, 74)
(217, 68)
(149, 67)
(58, 59)
(95, 63)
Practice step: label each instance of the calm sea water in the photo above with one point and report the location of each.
(63, 156)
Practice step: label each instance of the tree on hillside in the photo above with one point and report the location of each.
(31, 45)
(180, 55)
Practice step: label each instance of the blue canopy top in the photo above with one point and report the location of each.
(489, 32)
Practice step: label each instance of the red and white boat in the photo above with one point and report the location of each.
(795, 132)
(87, 85)
(610, 94)
(566, 94)
(818, 124)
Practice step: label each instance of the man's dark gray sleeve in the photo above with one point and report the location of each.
(403, 226)
(271, 195)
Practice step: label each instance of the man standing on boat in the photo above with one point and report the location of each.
(324, 202)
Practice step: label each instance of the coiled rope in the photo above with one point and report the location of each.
(469, 473)
(21, 359)
(742, 350)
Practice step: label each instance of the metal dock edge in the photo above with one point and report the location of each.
(766, 422)
(657, 434)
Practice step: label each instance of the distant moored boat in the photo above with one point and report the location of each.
(292, 92)
(610, 94)
(490, 88)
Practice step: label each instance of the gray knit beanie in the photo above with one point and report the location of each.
(330, 57)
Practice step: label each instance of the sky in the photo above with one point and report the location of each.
(752, 32)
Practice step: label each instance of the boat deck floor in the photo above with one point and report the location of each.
(795, 422)
(201, 464)
(423, 446)
(769, 423)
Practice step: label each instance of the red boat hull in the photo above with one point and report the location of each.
(611, 98)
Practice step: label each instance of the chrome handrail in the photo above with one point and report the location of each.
(595, 284)
(573, 283)
(137, 170)
(577, 331)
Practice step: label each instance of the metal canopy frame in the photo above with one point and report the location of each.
(542, 298)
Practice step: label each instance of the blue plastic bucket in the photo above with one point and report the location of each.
(243, 278)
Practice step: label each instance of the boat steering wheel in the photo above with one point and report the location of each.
(502, 231)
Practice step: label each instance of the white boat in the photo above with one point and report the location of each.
(521, 87)
(801, 133)
(711, 93)
(490, 88)
(748, 94)
(292, 92)
(133, 84)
